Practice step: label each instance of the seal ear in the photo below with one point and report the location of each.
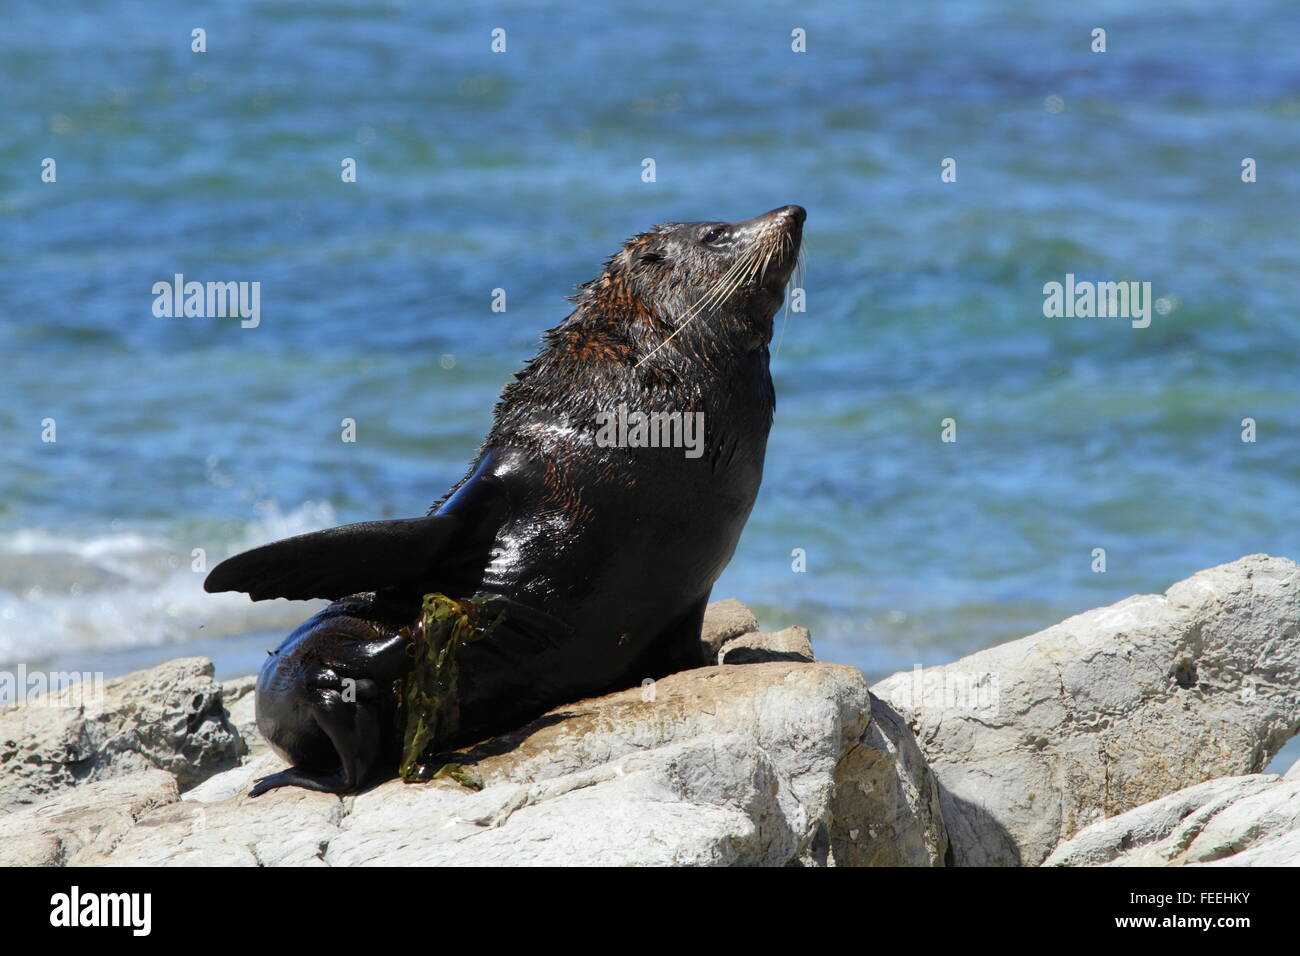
(330, 564)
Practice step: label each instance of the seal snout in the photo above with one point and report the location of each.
(783, 224)
(780, 232)
(796, 213)
(781, 219)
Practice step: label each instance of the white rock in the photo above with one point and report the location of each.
(1036, 739)
(1152, 824)
(88, 819)
(791, 644)
(886, 810)
(1281, 851)
(286, 827)
(724, 620)
(716, 766)
(170, 717)
(241, 709)
(1234, 821)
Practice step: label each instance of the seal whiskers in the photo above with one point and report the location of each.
(794, 282)
(722, 290)
(772, 245)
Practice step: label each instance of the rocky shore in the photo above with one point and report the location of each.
(1129, 735)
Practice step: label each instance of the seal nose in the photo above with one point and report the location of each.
(797, 213)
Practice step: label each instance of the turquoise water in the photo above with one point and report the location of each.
(522, 171)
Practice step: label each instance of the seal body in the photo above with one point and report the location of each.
(602, 544)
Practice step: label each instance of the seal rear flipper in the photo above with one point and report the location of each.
(297, 777)
(369, 556)
(353, 727)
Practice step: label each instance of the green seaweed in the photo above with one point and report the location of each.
(427, 695)
(455, 771)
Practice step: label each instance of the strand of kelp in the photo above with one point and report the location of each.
(427, 694)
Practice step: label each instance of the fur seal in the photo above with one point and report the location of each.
(602, 554)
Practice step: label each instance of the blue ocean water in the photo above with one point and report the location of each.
(522, 170)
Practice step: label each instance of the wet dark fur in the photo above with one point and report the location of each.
(608, 555)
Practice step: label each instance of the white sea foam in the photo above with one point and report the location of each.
(126, 588)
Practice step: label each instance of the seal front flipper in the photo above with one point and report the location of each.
(430, 553)
(369, 556)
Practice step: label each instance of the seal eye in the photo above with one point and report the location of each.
(714, 234)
